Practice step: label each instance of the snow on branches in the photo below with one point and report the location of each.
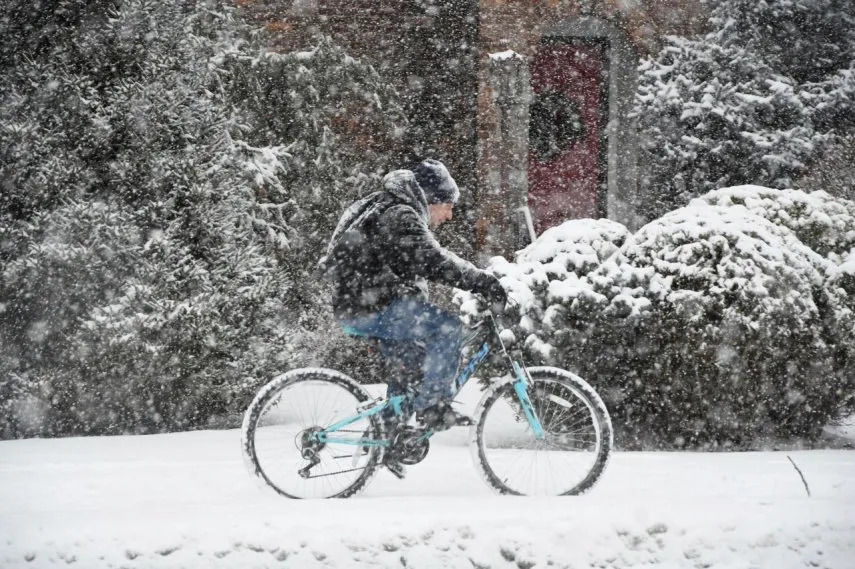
(168, 184)
(755, 100)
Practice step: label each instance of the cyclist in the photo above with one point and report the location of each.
(379, 257)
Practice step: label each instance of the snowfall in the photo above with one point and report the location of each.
(186, 500)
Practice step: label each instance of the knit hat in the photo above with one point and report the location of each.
(436, 183)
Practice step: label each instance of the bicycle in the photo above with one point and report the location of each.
(339, 440)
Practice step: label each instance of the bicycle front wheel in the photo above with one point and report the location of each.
(570, 455)
(279, 445)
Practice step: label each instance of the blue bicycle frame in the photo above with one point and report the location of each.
(399, 402)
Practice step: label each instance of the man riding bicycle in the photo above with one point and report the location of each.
(379, 258)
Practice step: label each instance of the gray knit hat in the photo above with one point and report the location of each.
(436, 182)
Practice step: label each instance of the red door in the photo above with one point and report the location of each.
(565, 168)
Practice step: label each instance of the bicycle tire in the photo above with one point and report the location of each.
(486, 457)
(280, 385)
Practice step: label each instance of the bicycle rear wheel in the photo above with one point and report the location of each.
(277, 441)
(570, 456)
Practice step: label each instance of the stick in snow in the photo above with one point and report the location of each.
(800, 474)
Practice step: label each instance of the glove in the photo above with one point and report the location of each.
(494, 292)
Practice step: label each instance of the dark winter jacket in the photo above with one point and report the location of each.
(383, 249)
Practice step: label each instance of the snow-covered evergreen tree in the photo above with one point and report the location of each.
(755, 100)
(154, 230)
(338, 115)
(834, 171)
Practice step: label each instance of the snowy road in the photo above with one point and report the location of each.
(184, 500)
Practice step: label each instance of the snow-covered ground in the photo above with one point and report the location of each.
(185, 500)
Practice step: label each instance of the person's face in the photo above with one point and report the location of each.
(439, 213)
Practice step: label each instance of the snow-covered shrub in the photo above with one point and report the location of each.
(754, 100)
(712, 325)
(554, 265)
(821, 221)
(579, 245)
(824, 223)
(557, 260)
(733, 325)
(116, 148)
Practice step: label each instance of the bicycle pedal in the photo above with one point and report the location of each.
(396, 468)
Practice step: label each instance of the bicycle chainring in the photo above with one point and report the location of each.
(408, 446)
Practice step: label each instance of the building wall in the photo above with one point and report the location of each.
(634, 27)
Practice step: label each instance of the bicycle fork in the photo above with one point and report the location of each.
(521, 388)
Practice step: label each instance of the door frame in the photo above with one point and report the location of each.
(619, 138)
(603, 153)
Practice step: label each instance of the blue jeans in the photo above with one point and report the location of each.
(412, 328)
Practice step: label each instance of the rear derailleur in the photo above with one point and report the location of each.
(309, 447)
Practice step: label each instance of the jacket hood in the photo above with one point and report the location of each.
(402, 186)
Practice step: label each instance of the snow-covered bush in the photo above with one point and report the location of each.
(820, 221)
(133, 232)
(155, 238)
(754, 100)
(712, 325)
(825, 224)
(556, 261)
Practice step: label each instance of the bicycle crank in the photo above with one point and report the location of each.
(410, 446)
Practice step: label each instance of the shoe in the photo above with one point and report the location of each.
(459, 419)
(442, 416)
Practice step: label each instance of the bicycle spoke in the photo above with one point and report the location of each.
(286, 425)
(553, 464)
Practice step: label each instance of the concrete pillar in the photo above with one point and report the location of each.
(504, 207)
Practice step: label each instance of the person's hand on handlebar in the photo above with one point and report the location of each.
(493, 291)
